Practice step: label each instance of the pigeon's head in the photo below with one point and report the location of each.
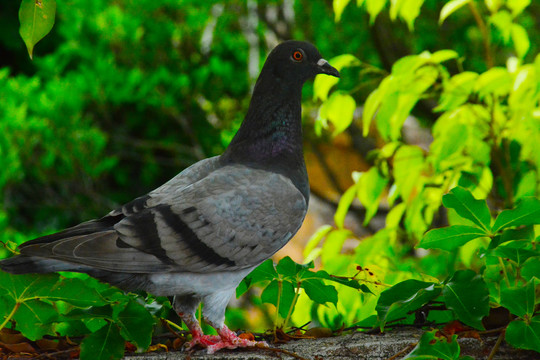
(298, 61)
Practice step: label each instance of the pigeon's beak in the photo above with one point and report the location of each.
(325, 68)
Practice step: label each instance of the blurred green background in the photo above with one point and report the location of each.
(122, 95)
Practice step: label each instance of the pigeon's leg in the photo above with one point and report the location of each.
(214, 315)
(186, 306)
(229, 340)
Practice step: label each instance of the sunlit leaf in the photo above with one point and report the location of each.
(339, 109)
(315, 240)
(527, 212)
(457, 90)
(343, 206)
(409, 11)
(450, 7)
(467, 295)
(517, 6)
(370, 189)
(520, 39)
(496, 80)
(374, 7)
(467, 206)
(339, 6)
(37, 19)
(503, 22)
(443, 55)
(524, 335)
(450, 238)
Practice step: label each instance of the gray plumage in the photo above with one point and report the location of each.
(200, 233)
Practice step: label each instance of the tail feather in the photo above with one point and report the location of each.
(32, 264)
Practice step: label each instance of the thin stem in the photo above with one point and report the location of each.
(11, 314)
(486, 38)
(505, 273)
(280, 287)
(496, 346)
(295, 298)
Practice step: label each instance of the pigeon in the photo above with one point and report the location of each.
(198, 235)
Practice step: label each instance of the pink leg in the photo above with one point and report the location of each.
(196, 332)
(229, 340)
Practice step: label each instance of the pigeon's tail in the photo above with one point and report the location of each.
(22, 264)
(32, 264)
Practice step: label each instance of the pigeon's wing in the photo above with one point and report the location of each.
(234, 218)
(96, 242)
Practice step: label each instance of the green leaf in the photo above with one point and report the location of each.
(531, 268)
(520, 300)
(265, 271)
(373, 102)
(443, 55)
(339, 6)
(310, 250)
(524, 335)
(136, 325)
(75, 292)
(520, 39)
(371, 185)
(344, 204)
(433, 345)
(467, 295)
(34, 319)
(457, 90)
(319, 292)
(517, 251)
(37, 19)
(503, 22)
(450, 238)
(409, 11)
(527, 212)
(495, 81)
(408, 166)
(450, 7)
(270, 295)
(468, 207)
(105, 344)
(289, 269)
(374, 7)
(338, 109)
(517, 6)
(404, 298)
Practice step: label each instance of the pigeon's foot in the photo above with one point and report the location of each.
(226, 339)
(229, 340)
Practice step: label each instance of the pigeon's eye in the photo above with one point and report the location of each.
(297, 55)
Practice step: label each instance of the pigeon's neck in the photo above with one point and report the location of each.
(271, 135)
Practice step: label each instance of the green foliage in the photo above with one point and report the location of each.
(435, 346)
(129, 90)
(38, 305)
(285, 282)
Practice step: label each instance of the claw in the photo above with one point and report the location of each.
(229, 340)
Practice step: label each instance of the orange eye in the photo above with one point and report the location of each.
(297, 55)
